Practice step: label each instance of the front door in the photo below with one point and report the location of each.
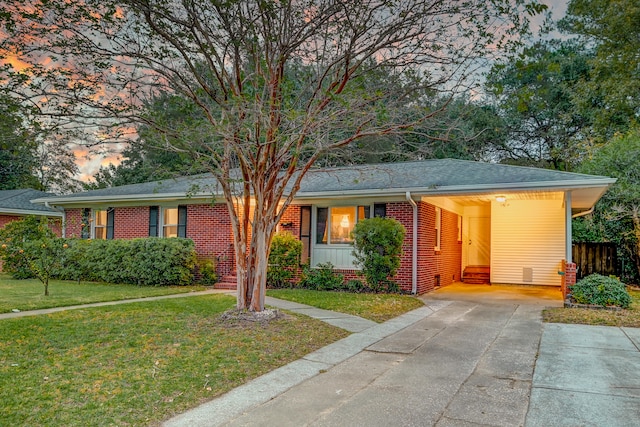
(479, 251)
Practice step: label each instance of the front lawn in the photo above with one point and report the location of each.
(139, 363)
(29, 294)
(376, 307)
(585, 316)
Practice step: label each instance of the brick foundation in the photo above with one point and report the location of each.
(569, 277)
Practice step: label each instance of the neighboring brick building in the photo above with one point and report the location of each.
(506, 224)
(16, 204)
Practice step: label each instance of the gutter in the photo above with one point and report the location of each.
(579, 214)
(453, 190)
(54, 213)
(414, 245)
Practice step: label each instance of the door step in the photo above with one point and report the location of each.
(477, 275)
(227, 282)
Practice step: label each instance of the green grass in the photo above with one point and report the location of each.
(29, 294)
(139, 363)
(586, 316)
(376, 307)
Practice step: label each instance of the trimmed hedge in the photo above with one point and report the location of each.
(145, 261)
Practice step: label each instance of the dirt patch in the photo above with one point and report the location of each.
(239, 317)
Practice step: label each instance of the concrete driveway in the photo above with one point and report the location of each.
(460, 361)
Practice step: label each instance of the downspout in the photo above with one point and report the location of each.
(414, 246)
(568, 233)
(579, 214)
(64, 218)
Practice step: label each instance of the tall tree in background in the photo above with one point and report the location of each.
(617, 218)
(32, 155)
(17, 145)
(610, 29)
(280, 83)
(535, 95)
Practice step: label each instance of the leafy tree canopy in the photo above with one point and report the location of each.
(535, 95)
(611, 30)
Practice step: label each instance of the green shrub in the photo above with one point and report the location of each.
(207, 272)
(600, 290)
(75, 265)
(355, 286)
(284, 260)
(144, 261)
(321, 278)
(377, 250)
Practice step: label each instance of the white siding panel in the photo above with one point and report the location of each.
(339, 256)
(527, 234)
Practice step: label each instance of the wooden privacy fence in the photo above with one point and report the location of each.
(598, 258)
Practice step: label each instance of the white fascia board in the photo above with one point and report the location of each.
(461, 189)
(5, 211)
(124, 199)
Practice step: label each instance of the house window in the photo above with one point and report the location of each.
(174, 222)
(438, 229)
(335, 224)
(103, 221)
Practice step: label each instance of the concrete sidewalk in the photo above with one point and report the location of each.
(586, 376)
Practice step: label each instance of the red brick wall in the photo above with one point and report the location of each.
(445, 263)
(290, 220)
(569, 277)
(6, 219)
(131, 222)
(54, 223)
(210, 229)
(73, 223)
(403, 212)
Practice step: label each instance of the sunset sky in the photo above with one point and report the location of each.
(90, 160)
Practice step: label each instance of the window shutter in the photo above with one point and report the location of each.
(321, 224)
(110, 222)
(154, 212)
(380, 210)
(182, 221)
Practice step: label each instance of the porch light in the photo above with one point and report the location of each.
(345, 221)
(501, 199)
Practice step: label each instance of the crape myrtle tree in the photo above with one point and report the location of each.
(278, 83)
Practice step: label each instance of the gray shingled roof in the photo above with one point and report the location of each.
(19, 201)
(436, 175)
(441, 176)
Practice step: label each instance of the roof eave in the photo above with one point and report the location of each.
(30, 212)
(463, 189)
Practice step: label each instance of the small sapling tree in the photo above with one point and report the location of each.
(31, 249)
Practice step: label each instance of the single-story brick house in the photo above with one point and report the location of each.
(16, 204)
(465, 220)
